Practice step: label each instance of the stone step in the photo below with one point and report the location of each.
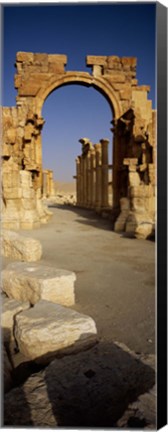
(19, 247)
(33, 282)
(48, 330)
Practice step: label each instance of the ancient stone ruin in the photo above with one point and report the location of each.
(24, 182)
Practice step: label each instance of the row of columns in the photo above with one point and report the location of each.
(48, 189)
(92, 175)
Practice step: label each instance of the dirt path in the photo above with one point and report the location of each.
(115, 275)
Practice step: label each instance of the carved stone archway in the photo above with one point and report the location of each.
(40, 74)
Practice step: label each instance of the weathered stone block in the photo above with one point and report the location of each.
(10, 308)
(28, 132)
(122, 218)
(10, 178)
(56, 68)
(17, 81)
(48, 330)
(28, 203)
(19, 247)
(55, 58)
(11, 135)
(130, 61)
(6, 149)
(134, 179)
(12, 193)
(25, 179)
(125, 94)
(22, 56)
(29, 218)
(28, 194)
(28, 88)
(119, 78)
(40, 58)
(26, 282)
(96, 60)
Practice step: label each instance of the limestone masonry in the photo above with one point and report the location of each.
(25, 183)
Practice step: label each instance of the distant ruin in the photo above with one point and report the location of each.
(134, 144)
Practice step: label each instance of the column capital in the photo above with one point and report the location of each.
(84, 140)
(97, 147)
(104, 141)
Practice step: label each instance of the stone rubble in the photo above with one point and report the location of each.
(33, 282)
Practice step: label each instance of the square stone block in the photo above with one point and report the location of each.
(33, 282)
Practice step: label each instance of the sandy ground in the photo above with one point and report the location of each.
(115, 275)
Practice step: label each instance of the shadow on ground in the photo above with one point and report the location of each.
(88, 216)
(88, 389)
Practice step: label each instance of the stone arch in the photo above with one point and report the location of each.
(84, 79)
(133, 122)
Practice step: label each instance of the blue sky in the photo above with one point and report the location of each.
(77, 30)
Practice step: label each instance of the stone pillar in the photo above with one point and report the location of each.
(98, 202)
(88, 161)
(84, 181)
(44, 187)
(81, 181)
(93, 178)
(78, 180)
(48, 182)
(51, 184)
(104, 147)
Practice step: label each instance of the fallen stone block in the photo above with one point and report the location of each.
(9, 309)
(19, 247)
(48, 330)
(25, 282)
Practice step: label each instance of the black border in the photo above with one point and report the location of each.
(161, 35)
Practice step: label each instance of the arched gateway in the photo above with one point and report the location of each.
(133, 137)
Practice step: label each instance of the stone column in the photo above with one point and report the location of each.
(98, 201)
(51, 184)
(44, 184)
(78, 180)
(93, 178)
(84, 181)
(88, 161)
(104, 148)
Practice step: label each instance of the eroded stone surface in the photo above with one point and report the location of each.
(19, 247)
(32, 282)
(90, 389)
(49, 329)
